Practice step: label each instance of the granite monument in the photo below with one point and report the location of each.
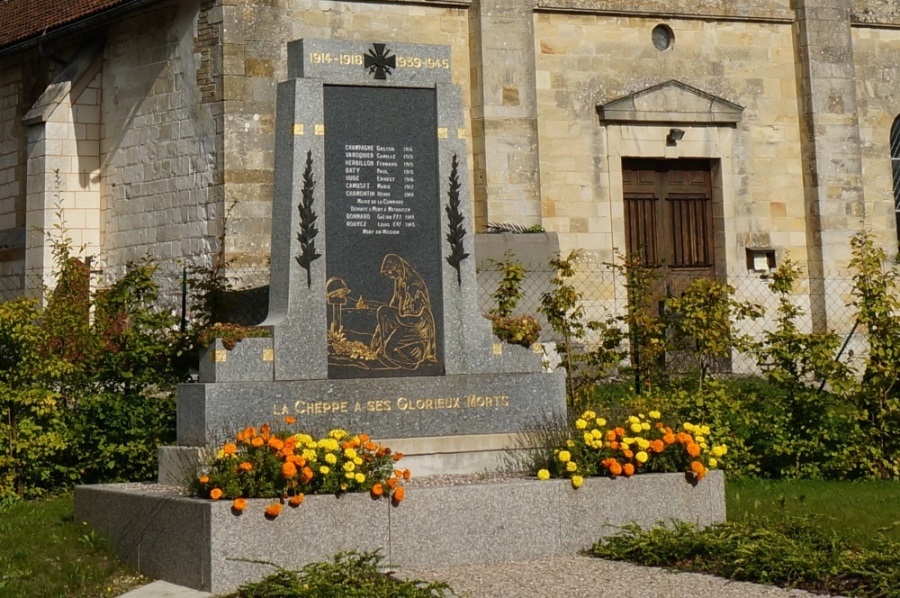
(373, 308)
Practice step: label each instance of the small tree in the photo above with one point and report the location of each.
(704, 316)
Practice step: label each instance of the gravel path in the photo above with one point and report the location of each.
(577, 576)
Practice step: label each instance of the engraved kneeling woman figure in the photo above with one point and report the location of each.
(405, 335)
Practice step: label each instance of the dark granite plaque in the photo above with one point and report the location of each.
(382, 214)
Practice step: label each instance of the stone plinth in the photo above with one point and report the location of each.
(203, 545)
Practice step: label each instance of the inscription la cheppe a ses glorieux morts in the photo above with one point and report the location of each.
(400, 404)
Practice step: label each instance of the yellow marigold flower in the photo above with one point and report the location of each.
(580, 424)
(642, 457)
(655, 414)
(312, 445)
(719, 451)
(338, 434)
(588, 438)
(324, 470)
(302, 439)
(704, 430)
(596, 434)
(565, 456)
(688, 427)
(350, 453)
(220, 454)
(643, 443)
(309, 455)
(330, 458)
(577, 481)
(633, 420)
(713, 463)
(543, 474)
(636, 428)
(349, 475)
(571, 466)
(357, 461)
(645, 426)
(588, 414)
(570, 443)
(600, 422)
(698, 438)
(349, 466)
(360, 478)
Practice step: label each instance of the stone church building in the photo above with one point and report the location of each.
(715, 136)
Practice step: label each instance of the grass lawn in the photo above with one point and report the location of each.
(43, 552)
(858, 511)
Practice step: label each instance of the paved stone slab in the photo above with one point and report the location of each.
(164, 589)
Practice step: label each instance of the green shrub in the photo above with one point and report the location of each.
(795, 552)
(349, 575)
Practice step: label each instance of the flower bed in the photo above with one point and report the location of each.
(203, 544)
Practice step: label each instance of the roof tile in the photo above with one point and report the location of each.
(24, 19)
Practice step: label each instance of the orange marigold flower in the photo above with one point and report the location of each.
(392, 483)
(399, 494)
(628, 454)
(245, 466)
(684, 438)
(290, 420)
(628, 470)
(615, 468)
(288, 470)
(397, 456)
(273, 510)
(363, 437)
(377, 490)
(204, 479)
(693, 449)
(306, 474)
(239, 504)
(698, 469)
(620, 432)
(276, 443)
(657, 446)
(659, 425)
(614, 445)
(406, 474)
(383, 451)
(370, 446)
(246, 434)
(398, 473)
(215, 493)
(611, 435)
(295, 500)
(229, 449)
(669, 438)
(257, 441)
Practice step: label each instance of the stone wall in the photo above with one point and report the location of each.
(161, 191)
(12, 177)
(587, 60)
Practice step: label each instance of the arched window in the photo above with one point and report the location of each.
(895, 169)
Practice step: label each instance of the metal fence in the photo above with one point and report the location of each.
(825, 302)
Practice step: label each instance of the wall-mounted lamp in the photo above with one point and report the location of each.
(674, 136)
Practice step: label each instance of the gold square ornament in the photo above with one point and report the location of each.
(219, 356)
(268, 354)
(320, 129)
(442, 133)
(298, 128)
(498, 348)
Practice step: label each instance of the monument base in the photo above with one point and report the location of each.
(203, 545)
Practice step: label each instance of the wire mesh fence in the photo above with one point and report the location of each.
(825, 303)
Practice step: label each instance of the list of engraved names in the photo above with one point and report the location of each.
(380, 186)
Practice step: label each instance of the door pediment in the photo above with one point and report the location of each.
(672, 102)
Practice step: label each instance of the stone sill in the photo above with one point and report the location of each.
(203, 545)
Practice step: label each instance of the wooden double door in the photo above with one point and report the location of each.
(669, 219)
